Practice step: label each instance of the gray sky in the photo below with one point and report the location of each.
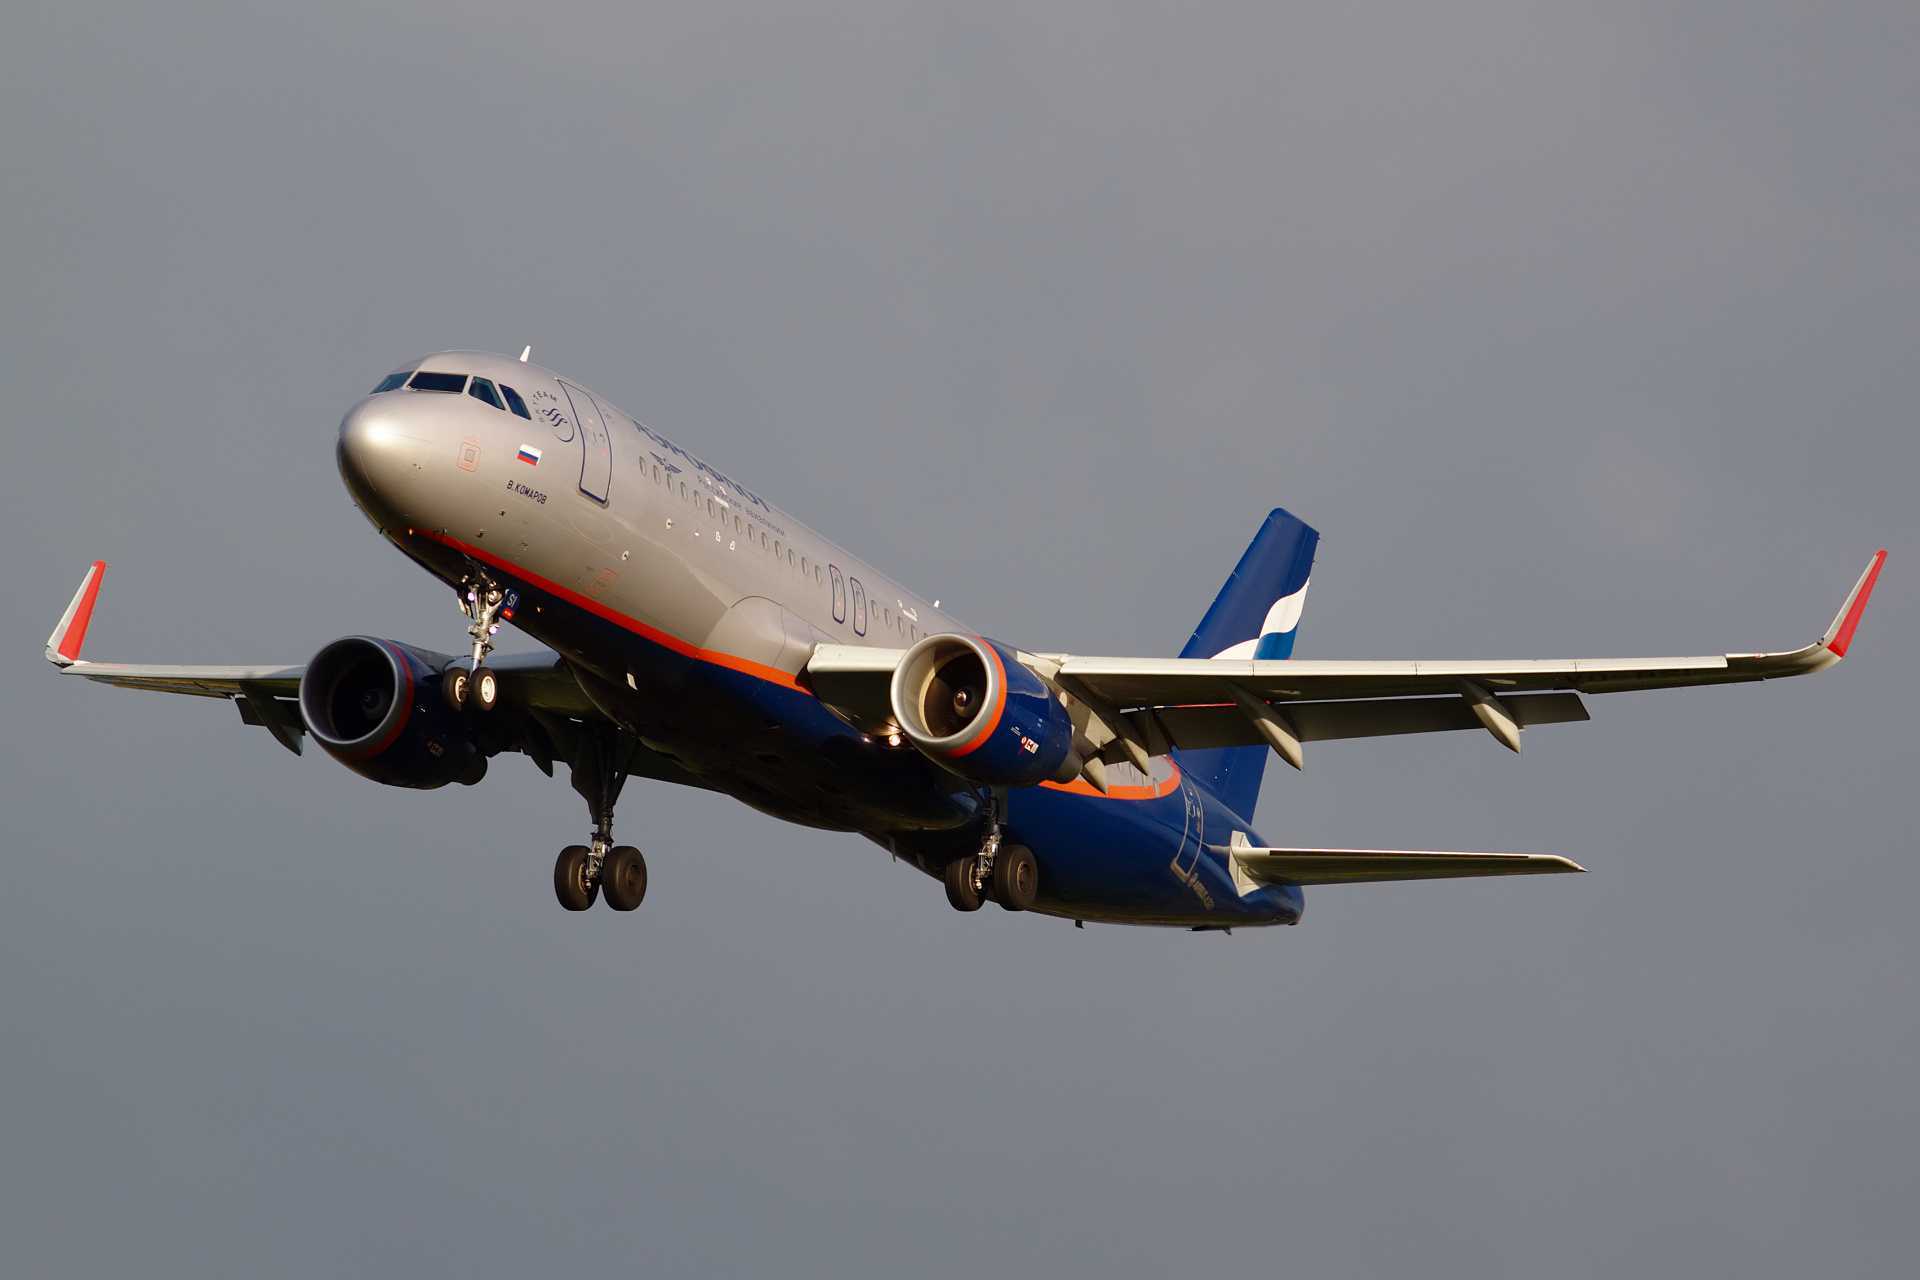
(1578, 330)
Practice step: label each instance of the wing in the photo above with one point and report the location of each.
(268, 695)
(1143, 706)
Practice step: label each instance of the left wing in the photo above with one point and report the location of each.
(1144, 706)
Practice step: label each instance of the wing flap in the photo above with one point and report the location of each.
(1203, 728)
(855, 682)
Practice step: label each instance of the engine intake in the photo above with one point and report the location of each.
(969, 705)
(375, 706)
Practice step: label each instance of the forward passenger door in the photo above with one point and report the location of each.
(596, 450)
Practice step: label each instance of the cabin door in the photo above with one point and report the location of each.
(596, 450)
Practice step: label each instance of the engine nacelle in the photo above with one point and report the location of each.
(968, 704)
(376, 707)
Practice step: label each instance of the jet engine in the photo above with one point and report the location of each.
(375, 706)
(969, 705)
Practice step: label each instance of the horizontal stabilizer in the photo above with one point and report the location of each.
(1357, 866)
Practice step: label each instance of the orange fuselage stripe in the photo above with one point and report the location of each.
(716, 657)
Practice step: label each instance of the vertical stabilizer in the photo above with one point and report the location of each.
(1256, 615)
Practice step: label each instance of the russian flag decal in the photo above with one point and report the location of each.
(529, 455)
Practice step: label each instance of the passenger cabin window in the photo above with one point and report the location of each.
(514, 402)
(450, 383)
(392, 382)
(481, 389)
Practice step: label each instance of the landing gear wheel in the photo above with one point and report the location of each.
(485, 689)
(962, 891)
(570, 883)
(453, 687)
(1016, 877)
(623, 877)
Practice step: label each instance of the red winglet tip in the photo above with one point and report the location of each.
(76, 632)
(1844, 636)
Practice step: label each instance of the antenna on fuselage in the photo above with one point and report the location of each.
(526, 353)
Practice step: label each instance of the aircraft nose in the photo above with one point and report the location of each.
(381, 454)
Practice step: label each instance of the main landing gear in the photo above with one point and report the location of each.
(1007, 872)
(603, 869)
(621, 875)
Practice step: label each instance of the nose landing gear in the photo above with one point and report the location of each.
(478, 689)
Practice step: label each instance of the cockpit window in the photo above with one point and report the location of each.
(452, 383)
(514, 401)
(481, 389)
(392, 382)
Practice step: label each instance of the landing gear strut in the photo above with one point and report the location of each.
(1007, 871)
(602, 869)
(478, 689)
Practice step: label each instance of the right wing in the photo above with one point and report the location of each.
(539, 683)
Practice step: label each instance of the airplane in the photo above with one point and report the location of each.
(697, 634)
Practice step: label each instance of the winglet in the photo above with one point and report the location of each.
(1840, 634)
(63, 646)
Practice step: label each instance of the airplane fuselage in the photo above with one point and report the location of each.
(687, 607)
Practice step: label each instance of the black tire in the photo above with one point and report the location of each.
(453, 687)
(960, 887)
(570, 883)
(1016, 877)
(484, 692)
(623, 878)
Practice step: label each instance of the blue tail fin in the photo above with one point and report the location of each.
(1256, 615)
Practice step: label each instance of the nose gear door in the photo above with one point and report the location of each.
(596, 450)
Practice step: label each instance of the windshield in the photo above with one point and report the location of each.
(453, 383)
